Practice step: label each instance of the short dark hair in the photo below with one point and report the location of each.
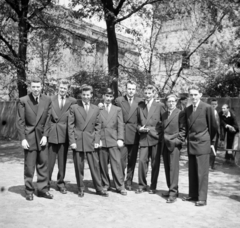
(109, 91)
(215, 100)
(195, 87)
(86, 87)
(150, 87)
(131, 82)
(172, 95)
(64, 82)
(226, 105)
(36, 80)
(183, 98)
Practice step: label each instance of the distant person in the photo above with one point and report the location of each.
(33, 111)
(201, 130)
(58, 134)
(174, 132)
(129, 105)
(112, 138)
(84, 137)
(229, 128)
(214, 104)
(182, 103)
(150, 130)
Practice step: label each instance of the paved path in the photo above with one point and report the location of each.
(92, 211)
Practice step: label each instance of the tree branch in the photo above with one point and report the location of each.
(10, 47)
(39, 10)
(148, 2)
(119, 7)
(14, 6)
(9, 59)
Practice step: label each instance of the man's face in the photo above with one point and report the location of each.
(62, 90)
(36, 88)
(149, 94)
(131, 89)
(225, 109)
(171, 103)
(86, 96)
(108, 98)
(214, 104)
(195, 95)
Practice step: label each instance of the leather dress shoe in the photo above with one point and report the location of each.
(140, 190)
(201, 203)
(189, 198)
(81, 194)
(171, 199)
(129, 188)
(62, 190)
(122, 192)
(29, 197)
(45, 195)
(102, 193)
(152, 191)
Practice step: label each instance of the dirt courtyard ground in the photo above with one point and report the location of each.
(131, 211)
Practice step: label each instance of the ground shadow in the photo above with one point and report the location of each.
(235, 197)
(19, 189)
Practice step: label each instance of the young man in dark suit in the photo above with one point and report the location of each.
(174, 131)
(84, 137)
(129, 105)
(58, 134)
(201, 130)
(112, 136)
(33, 111)
(150, 130)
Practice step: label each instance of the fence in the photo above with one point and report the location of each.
(8, 113)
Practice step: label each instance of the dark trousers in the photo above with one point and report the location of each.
(144, 154)
(212, 156)
(60, 151)
(171, 165)
(113, 155)
(38, 159)
(129, 158)
(198, 176)
(93, 162)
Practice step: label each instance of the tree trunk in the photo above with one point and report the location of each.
(23, 27)
(112, 54)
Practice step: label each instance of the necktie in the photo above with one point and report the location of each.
(107, 108)
(169, 113)
(61, 103)
(86, 107)
(37, 100)
(130, 101)
(194, 108)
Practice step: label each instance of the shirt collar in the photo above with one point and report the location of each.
(197, 104)
(150, 102)
(109, 106)
(60, 97)
(171, 110)
(36, 97)
(228, 114)
(130, 98)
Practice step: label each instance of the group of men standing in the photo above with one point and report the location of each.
(115, 134)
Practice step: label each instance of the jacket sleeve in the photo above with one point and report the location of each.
(71, 126)
(120, 125)
(212, 124)
(182, 128)
(20, 123)
(47, 125)
(98, 127)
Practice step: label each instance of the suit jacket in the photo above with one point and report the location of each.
(130, 119)
(112, 127)
(59, 120)
(174, 128)
(151, 120)
(201, 128)
(32, 118)
(84, 128)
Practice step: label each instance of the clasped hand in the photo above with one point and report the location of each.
(143, 129)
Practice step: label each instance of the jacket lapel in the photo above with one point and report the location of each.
(125, 104)
(104, 114)
(82, 110)
(31, 103)
(89, 115)
(195, 114)
(66, 105)
(151, 111)
(40, 109)
(55, 105)
(110, 114)
(132, 109)
(171, 117)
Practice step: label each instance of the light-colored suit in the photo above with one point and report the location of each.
(84, 130)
